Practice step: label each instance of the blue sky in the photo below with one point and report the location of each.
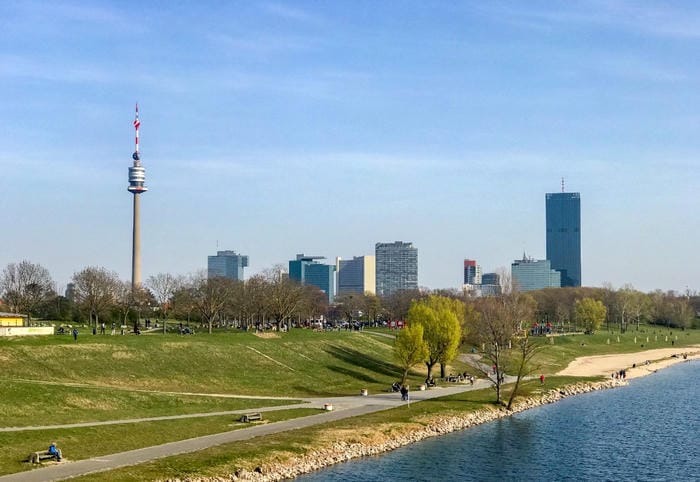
(325, 127)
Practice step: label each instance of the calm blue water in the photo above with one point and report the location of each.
(647, 431)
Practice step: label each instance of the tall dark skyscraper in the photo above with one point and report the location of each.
(564, 235)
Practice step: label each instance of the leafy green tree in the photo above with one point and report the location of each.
(442, 330)
(410, 348)
(590, 314)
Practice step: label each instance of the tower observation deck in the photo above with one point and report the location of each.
(137, 173)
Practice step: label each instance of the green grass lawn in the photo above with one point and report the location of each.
(299, 363)
(121, 370)
(83, 443)
(30, 403)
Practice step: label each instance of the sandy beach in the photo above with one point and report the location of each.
(607, 364)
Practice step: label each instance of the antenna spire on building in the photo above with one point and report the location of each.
(137, 124)
(562, 184)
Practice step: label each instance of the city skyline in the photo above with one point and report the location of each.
(442, 124)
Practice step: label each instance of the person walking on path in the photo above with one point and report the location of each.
(75, 334)
(542, 379)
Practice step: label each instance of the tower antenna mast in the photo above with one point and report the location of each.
(562, 184)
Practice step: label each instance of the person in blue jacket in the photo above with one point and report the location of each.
(55, 451)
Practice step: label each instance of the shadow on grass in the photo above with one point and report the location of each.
(353, 374)
(363, 360)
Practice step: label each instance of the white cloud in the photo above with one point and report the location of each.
(665, 21)
(291, 13)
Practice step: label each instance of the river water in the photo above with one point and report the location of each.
(647, 431)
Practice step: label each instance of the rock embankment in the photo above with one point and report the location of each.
(342, 450)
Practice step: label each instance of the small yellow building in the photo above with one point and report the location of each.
(12, 319)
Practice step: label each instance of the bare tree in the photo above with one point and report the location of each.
(24, 285)
(123, 300)
(211, 296)
(184, 303)
(398, 303)
(163, 286)
(314, 303)
(283, 295)
(372, 307)
(95, 291)
(508, 284)
(526, 351)
(500, 320)
(350, 304)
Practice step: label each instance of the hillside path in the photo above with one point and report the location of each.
(344, 407)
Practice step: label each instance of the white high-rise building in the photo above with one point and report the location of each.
(397, 267)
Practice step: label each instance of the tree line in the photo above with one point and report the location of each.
(272, 299)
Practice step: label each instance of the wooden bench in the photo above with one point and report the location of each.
(37, 457)
(251, 417)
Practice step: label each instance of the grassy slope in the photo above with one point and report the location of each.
(82, 443)
(300, 363)
(30, 403)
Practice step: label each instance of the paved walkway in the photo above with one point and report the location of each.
(344, 407)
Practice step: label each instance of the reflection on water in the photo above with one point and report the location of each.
(649, 430)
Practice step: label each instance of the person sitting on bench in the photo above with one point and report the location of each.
(54, 451)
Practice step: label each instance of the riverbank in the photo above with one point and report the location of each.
(342, 446)
(635, 364)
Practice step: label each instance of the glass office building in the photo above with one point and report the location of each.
(226, 264)
(564, 235)
(308, 271)
(530, 274)
(356, 275)
(397, 267)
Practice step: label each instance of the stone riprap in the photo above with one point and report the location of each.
(342, 451)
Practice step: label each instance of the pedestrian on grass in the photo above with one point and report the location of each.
(542, 379)
(75, 334)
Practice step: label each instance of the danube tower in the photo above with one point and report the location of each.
(137, 178)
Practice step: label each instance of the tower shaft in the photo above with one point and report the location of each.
(136, 244)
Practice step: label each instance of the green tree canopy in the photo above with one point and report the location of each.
(590, 313)
(410, 348)
(442, 330)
